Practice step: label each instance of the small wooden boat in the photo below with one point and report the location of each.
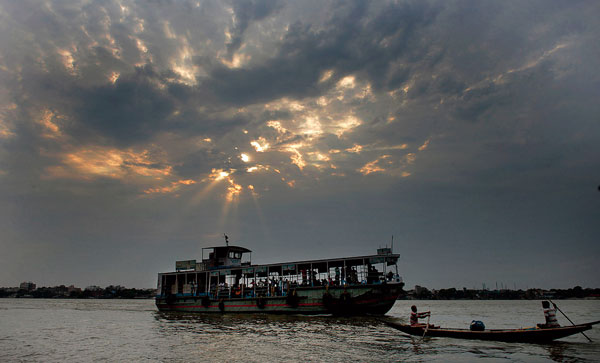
(523, 335)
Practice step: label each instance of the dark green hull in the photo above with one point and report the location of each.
(375, 299)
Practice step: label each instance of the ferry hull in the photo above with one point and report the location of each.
(376, 299)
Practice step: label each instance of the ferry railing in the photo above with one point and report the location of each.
(261, 291)
(224, 293)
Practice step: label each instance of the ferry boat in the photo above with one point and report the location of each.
(227, 282)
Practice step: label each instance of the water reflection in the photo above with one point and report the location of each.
(416, 345)
(111, 330)
(263, 325)
(556, 351)
(263, 336)
(260, 319)
(331, 338)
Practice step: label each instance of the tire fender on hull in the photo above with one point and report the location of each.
(292, 299)
(327, 300)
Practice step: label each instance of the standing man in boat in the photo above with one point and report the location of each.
(414, 316)
(550, 315)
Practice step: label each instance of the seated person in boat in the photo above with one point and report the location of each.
(550, 315)
(414, 316)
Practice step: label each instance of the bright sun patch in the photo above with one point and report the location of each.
(356, 149)
(277, 126)
(218, 174)
(260, 145)
(51, 129)
(347, 82)
(374, 166)
(174, 186)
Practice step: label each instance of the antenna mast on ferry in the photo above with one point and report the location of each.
(226, 240)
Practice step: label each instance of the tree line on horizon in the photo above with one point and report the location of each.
(577, 292)
(420, 293)
(64, 292)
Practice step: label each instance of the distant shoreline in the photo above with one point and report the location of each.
(540, 298)
(418, 293)
(400, 298)
(577, 292)
(72, 292)
(78, 298)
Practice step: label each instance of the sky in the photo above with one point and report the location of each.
(135, 133)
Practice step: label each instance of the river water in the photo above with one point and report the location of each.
(133, 330)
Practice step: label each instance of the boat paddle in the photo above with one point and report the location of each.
(426, 327)
(557, 308)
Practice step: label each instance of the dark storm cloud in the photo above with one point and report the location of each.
(351, 41)
(246, 11)
(142, 104)
(131, 109)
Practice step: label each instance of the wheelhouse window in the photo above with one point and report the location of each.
(233, 254)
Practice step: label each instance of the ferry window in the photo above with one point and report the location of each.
(235, 254)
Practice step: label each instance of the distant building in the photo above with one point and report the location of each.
(29, 286)
(94, 291)
(72, 288)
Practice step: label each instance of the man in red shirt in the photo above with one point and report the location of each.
(414, 316)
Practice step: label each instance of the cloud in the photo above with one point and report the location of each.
(244, 12)
(130, 110)
(279, 118)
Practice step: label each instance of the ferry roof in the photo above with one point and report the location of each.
(392, 257)
(231, 248)
(395, 255)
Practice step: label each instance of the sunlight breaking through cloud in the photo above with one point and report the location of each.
(93, 162)
(213, 113)
(171, 188)
(260, 145)
(374, 166)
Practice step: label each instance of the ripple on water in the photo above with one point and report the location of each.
(132, 330)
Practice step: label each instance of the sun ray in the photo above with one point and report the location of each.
(259, 213)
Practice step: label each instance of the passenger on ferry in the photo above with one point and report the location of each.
(414, 316)
(353, 278)
(371, 274)
(313, 278)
